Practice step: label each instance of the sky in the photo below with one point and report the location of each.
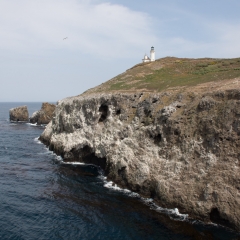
(104, 39)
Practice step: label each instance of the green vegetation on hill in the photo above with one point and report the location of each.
(172, 72)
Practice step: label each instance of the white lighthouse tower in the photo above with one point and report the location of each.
(152, 54)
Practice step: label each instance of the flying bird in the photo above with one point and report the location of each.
(65, 38)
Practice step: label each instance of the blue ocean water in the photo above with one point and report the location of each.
(40, 198)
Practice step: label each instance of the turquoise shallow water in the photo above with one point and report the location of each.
(43, 199)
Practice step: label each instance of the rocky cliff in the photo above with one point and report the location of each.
(180, 146)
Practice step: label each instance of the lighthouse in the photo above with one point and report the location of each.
(152, 56)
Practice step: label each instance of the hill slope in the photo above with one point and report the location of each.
(170, 73)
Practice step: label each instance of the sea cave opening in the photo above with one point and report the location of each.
(103, 109)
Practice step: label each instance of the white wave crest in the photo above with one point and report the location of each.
(58, 158)
(72, 163)
(32, 124)
(37, 140)
(172, 213)
(113, 186)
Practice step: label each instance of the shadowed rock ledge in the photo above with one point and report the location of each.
(179, 147)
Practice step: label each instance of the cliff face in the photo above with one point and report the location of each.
(178, 147)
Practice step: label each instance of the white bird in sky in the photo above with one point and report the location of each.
(65, 38)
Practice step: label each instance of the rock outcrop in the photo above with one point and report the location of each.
(19, 114)
(179, 147)
(44, 115)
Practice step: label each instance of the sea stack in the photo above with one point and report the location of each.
(19, 114)
(44, 115)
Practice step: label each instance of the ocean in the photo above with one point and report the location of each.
(43, 198)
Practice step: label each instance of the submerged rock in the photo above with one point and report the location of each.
(19, 114)
(183, 153)
(44, 115)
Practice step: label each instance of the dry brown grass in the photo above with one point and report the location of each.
(173, 74)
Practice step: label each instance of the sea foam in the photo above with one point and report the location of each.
(172, 213)
(37, 140)
(32, 124)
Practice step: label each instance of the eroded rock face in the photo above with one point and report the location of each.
(19, 114)
(182, 150)
(44, 115)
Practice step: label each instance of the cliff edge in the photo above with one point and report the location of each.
(177, 142)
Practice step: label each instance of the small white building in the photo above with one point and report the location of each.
(152, 56)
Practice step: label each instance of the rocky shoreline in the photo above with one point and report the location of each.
(179, 148)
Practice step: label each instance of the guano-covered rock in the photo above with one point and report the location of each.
(161, 145)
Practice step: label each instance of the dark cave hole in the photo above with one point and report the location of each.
(67, 108)
(103, 109)
(147, 112)
(153, 193)
(121, 172)
(157, 138)
(216, 218)
(86, 150)
(87, 155)
(92, 159)
(118, 112)
(76, 126)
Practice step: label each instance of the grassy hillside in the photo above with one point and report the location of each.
(171, 72)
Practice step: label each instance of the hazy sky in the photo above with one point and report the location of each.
(104, 39)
